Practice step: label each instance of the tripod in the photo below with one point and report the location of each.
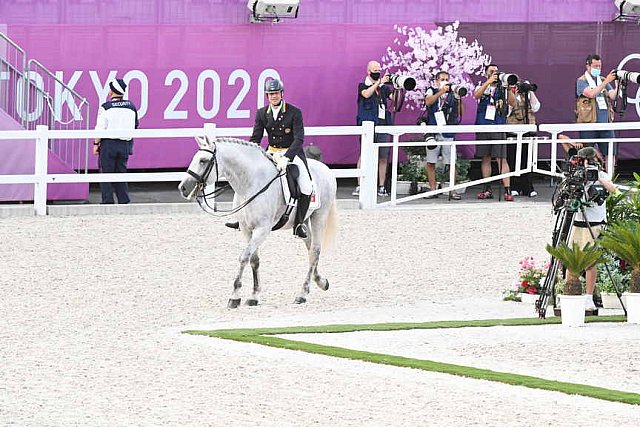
(562, 228)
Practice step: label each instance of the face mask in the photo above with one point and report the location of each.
(595, 72)
(375, 76)
(443, 83)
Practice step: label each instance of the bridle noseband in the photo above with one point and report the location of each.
(202, 179)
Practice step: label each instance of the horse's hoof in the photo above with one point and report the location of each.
(252, 302)
(233, 303)
(325, 286)
(300, 300)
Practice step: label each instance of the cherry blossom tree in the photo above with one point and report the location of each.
(422, 54)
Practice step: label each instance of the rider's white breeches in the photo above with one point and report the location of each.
(304, 181)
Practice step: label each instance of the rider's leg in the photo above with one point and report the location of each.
(304, 182)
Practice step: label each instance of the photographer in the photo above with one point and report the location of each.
(373, 94)
(492, 110)
(593, 103)
(444, 107)
(523, 104)
(595, 212)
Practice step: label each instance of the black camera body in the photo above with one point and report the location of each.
(526, 86)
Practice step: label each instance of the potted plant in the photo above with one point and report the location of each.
(462, 173)
(412, 172)
(576, 260)
(612, 273)
(623, 239)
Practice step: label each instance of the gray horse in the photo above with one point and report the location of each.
(251, 171)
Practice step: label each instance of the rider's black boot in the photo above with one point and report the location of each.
(300, 229)
(234, 225)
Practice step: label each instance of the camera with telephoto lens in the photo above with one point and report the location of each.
(428, 137)
(627, 76)
(507, 79)
(402, 82)
(525, 86)
(458, 91)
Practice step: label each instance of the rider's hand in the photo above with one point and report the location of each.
(281, 162)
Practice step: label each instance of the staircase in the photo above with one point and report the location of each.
(26, 102)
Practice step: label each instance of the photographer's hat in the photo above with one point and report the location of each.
(587, 153)
(118, 86)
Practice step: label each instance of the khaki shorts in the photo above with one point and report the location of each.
(581, 235)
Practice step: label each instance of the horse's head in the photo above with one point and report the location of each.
(200, 168)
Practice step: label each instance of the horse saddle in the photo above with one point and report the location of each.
(291, 192)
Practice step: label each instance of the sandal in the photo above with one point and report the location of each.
(508, 197)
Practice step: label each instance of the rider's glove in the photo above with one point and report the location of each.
(281, 162)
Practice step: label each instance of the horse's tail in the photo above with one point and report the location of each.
(331, 227)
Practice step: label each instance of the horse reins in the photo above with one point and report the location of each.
(201, 182)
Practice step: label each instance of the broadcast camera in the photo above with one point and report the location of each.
(402, 82)
(570, 193)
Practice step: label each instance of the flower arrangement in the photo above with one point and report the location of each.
(421, 54)
(528, 281)
(530, 275)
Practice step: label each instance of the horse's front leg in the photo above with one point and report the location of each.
(256, 238)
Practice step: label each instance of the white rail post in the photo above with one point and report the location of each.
(369, 167)
(210, 132)
(394, 169)
(41, 160)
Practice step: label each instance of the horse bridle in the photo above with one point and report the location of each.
(201, 184)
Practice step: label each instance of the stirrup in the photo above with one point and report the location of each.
(234, 225)
(300, 230)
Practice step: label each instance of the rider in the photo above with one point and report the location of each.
(283, 123)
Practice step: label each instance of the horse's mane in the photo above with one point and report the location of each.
(245, 143)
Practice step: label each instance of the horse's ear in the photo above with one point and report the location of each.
(203, 141)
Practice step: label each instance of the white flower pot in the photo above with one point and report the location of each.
(610, 300)
(528, 298)
(633, 307)
(572, 310)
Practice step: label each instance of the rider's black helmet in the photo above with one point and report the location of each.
(273, 85)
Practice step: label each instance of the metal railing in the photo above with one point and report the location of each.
(52, 103)
(13, 62)
(32, 95)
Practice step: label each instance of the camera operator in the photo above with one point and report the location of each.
(373, 94)
(444, 107)
(523, 104)
(492, 110)
(593, 103)
(595, 214)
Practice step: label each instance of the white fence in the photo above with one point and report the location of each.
(367, 172)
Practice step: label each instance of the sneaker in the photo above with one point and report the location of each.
(589, 305)
(534, 193)
(382, 192)
(514, 193)
(455, 196)
(485, 195)
(356, 191)
(508, 197)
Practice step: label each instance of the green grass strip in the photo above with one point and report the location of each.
(263, 336)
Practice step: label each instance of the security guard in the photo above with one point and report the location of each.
(283, 123)
(116, 114)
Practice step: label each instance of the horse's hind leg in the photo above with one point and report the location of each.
(255, 264)
(313, 246)
(256, 238)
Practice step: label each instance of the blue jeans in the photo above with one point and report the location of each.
(603, 146)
